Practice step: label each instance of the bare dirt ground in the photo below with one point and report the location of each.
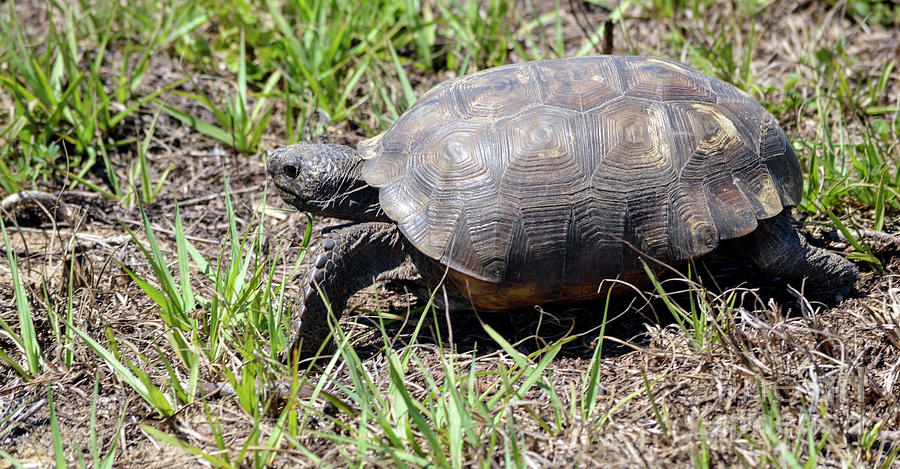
(829, 371)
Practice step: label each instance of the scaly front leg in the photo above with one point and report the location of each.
(350, 259)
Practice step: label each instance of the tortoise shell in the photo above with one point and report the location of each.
(540, 180)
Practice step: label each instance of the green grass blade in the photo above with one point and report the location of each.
(413, 407)
(12, 363)
(150, 393)
(28, 336)
(117, 118)
(201, 125)
(59, 454)
(408, 94)
(862, 252)
(184, 268)
(591, 389)
(12, 461)
(143, 147)
(880, 204)
(157, 296)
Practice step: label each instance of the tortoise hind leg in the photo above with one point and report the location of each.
(351, 258)
(776, 248)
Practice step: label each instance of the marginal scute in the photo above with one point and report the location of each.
(541, 241)
(600, 224)
(490, 227)
(384, 169)
(416, 230)
(443, 221)
(779, 158)
(369, 147)
(646, 228)
(729, 209)
(552, 176)
(461, 253)
(690, 229)
(402, 202)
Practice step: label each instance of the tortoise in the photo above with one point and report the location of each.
(532, 183)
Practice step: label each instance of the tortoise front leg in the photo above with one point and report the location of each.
(350, 259)
(776, 248)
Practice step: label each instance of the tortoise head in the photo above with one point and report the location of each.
(324, 179)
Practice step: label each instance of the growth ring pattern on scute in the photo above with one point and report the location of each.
(554, 174)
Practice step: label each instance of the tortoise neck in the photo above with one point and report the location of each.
(353, 199)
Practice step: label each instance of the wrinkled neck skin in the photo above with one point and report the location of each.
(324, 179)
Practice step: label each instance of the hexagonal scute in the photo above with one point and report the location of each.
(454, 156)
(664, 80)
(633, 147)
(548, 141)
(497, 92)
(579, 84)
